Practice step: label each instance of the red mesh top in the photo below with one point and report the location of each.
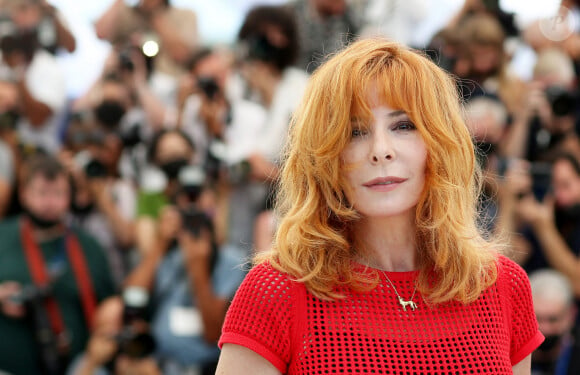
(370, 333)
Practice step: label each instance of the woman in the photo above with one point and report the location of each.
(378, 266)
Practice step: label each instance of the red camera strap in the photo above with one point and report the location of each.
(39, 275)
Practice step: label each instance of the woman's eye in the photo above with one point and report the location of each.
(405, 125)
(357, 133)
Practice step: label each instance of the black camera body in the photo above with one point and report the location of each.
(92, 167)
(209, 86)
(540, 173)
(135, 344)
(126, 56)
(195, 221)
(126, 61)
(134, 340)
(9, 120)
(32, 295)
(95, 169)
(215, 164)
(562, 101)
(13, 40)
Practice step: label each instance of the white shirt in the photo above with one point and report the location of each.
(46, 83)
(241, 134)
(286, 98)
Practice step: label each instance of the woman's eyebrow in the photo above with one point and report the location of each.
(396, 114)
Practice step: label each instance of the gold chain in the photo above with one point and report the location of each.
(402, 302)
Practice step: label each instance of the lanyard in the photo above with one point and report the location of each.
(37, 267)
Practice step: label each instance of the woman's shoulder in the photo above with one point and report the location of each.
(265, 292)
(266, 284)
(265, 274)
(509, 268)
(511, 276)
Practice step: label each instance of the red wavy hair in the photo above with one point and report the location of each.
(313, 240)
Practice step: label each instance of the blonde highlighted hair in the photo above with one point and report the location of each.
(313, 242)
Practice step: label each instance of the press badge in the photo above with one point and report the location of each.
(185, 321)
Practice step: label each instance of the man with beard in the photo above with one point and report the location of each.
(555, 222)
(51, 276)
(555, 311)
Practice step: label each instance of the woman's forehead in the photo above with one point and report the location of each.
(375, 93)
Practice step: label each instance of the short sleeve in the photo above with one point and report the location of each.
(525, 333)
(261, 316)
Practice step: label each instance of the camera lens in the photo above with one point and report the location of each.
(209, 86)
(135, 300)
(561, 100)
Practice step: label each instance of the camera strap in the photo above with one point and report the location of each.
(40, 277)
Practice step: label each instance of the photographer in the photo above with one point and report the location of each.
(43, 18)
(103, 202)
(156, 22)
(225, 130)
(105, 352)
(481, 60)
(324, 27)
(168, 152)
(269, 38)
(547, 121)
(114, 103)
(191, 279)
(40, 87)
(52, 276)
(556, 313)
(554, 221)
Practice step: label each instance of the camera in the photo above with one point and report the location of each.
(32, 294)
(216, 162)
(126, 61)
(131, 137)
(8, 120)
(541, 173)
(92, 167)
(146, 51)
(49, 344)
(134, 340)
(195, 220)
(239, 172)
(191, 181)
(209, 86)
(562, 101)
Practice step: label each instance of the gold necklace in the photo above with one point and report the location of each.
(402, 302)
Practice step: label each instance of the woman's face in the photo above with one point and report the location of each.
(384, 164)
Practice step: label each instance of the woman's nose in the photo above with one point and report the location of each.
(382, 149)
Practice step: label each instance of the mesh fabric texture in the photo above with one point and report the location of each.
(370, 333)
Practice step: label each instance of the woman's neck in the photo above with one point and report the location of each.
(387, 244)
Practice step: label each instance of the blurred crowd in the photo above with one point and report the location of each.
(128, 215)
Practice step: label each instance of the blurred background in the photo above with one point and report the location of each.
(151, 132)
(219, 21)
